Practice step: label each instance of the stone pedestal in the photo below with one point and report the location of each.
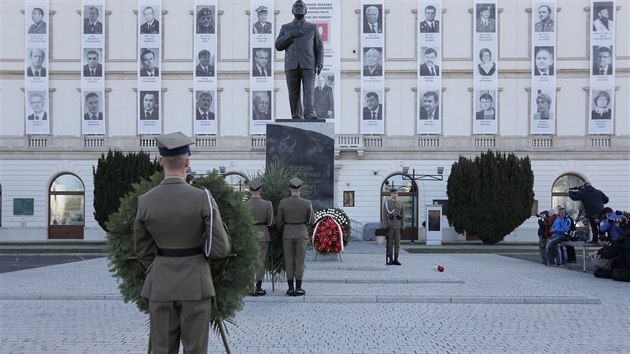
(307, 147)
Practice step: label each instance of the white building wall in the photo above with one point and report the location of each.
(26, 171)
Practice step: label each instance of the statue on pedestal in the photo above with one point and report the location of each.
(303, 59)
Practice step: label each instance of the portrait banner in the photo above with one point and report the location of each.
(543, 72)
(602, 78)
(372, 67)
(429, 91)
(93, 67)
(36, 69)
(149, 66)
(204, 68)
(261, 80)
(326, 15)
(486, 70)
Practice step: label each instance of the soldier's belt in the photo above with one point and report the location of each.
(294, 223)
(260, 223)
(178, 252)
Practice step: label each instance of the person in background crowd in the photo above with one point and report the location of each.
(609, 224)
(613, 250)
(593, 200)
(560, 226)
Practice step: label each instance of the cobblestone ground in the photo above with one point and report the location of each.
(480, 304)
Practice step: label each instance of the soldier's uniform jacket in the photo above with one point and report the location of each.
(393, 214)
(175, 215)
(153, 28)
(262, 213)
(92, 28)
(294, 213)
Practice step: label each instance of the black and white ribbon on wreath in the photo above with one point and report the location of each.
(207, 241)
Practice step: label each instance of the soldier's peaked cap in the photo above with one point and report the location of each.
(173, 144)
(394, 190)
(295, 182)
(485, 7)
(255, 184)
(261, 9)
(204, 12)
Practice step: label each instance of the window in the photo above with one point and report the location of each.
(67, 207)
(560, 195)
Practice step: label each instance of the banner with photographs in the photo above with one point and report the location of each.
(36, 69)
(543, 93)
(326, 15)
(486, 70)
(149, 78)
(602, 85)
(204, 67)
(93, 67)
(429, 67)
(372, 64)
(261, 44)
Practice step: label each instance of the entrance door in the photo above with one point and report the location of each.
(408, 194)
(67, 208)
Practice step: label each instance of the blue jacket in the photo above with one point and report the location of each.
(613, 230)
(561, 225)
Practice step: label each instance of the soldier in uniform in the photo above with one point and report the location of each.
(170, 223)
(294, 213)
(393, 218)
(262, 25)
(262, 214)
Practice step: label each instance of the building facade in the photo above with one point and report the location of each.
(46, 178)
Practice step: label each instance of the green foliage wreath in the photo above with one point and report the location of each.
(233, 277)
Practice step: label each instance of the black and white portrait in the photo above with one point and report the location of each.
(485, 105)
(261, 62)
(323, 96)
(204, 106)
(92, 23)
(148, 62)
(93, 106)
(36, 58)
(38, 26)
(486, 22)
(149, 105)
(93, 66)
(603, 60)
(430, 105)
(149, 23)
(205, 64)
(602, 104)
(429, 65)
(372, 18)
(262, 26)
(373, 106)
(544, 106)
(205, 20)
(430, 23)
(486, 65)
(544, 14)
(544, 61)
(37, 105)
(372, 61)
(261, 103)
(603, 16)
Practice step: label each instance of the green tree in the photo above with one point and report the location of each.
(114, 176)
(490, 196)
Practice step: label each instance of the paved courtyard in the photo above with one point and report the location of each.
(480, 304)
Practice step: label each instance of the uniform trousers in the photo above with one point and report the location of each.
(260, 273)
(393, 240)
(307, 78)
(175, 320)
(294, 251)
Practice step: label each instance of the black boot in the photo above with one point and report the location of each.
(290, 292)
(259, 291)
(389, 260)
(395, 262)
(298, 288)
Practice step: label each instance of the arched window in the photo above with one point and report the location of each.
(237, 181)
(560, 195)
(67, 207)
(408, 194)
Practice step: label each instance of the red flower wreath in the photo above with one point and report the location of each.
(329, 236)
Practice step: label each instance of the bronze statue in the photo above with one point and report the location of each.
(303, 58)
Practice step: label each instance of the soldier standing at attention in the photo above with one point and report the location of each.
(262, 214)
(393, 218)
(294, 213)
(170, 223)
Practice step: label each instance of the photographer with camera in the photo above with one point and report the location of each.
(613, 252)
(543, 227)
(593, 200)
(611, 224)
